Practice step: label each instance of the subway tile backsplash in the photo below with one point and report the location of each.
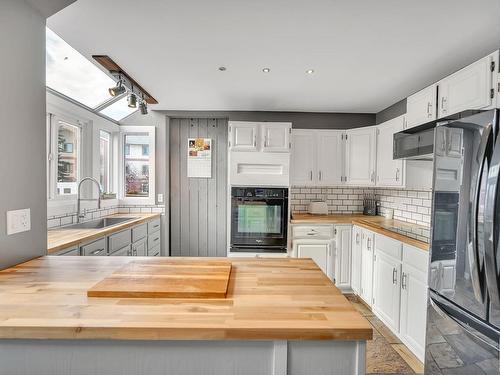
(412, 206)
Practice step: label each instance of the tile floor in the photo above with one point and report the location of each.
(386, 354)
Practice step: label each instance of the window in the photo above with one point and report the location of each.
(118, 110)
(68, 140)
(138, 178)
(105, 160)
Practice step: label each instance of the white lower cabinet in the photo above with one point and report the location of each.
(414, 299)
(356, 246)
(342, 257)
(386, 289)
(328, 246)
(319, 251)
(367, 239)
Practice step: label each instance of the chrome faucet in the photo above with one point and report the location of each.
(82, 215)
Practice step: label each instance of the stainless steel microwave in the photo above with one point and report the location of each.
(414, 144)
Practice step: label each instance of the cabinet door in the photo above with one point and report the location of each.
(356, 259)
(389, 171)
(360, 156)
(275, 136)
(243, 136)
(303, 171)
(469, 88)
(319, 252)
(140, 248)
(367, 267)
(386, 289)
(330, 157)
(421, 107)
(342, 275)
(413, 309)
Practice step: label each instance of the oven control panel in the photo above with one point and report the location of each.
(251, 192)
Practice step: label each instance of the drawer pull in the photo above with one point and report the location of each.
(95, 252)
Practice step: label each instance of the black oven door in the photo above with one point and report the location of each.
(259, 224)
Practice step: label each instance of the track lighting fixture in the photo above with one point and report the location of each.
(118, 89)
(143, 107)
(132, 101)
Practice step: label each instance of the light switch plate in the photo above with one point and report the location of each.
(160, 198)
(18, 221)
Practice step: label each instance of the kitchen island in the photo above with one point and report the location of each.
(280, 316)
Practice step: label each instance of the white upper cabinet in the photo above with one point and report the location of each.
(330, 157)
(421, 107)
(259, 136)
(303, 159)
(389, 171)
(276, 136)
(470, 88)
(317, 157)
(243, 136)
(360, 156)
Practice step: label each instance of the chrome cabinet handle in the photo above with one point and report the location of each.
(403, 280)
(429, 109)
(320, 175)
(394, 276)
(357, 238)
(311, 175)
(397, 174)
(254, 141)
(98, 251)
(265, 141)
(368, 243)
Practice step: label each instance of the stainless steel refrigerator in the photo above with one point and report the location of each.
(463, 312)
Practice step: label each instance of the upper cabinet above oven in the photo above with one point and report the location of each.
(259, 136)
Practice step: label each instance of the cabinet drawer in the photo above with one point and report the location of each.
(139, 232)
(415, 257)
(154, 226)
(70, 251)
(123, 252)
(154, 240)
(389, 246)
(119, 240)
(154, 252)
(313, 231)
(95, 248)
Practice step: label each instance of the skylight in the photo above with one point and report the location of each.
(71, 74)
(118, 110)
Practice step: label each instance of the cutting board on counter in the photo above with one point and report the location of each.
(166, 278)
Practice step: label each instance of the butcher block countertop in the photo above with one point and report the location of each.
(378, 224)
(267, 299)
(59, 239)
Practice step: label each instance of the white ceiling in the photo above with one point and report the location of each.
(367, 54)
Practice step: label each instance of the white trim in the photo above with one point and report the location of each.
(151, 199)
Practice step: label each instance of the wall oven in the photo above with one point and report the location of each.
(259, 219)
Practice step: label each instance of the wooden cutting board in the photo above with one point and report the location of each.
(166, 278)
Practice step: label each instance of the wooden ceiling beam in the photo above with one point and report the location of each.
(112, 67)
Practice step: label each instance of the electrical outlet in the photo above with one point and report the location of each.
(18, 221)
(160, 198)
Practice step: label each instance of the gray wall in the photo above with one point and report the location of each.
(395, 110)
(22, 120)
(300, 120)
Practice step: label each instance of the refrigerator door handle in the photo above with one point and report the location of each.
(491, 240)
(470, 324)
(474, 260)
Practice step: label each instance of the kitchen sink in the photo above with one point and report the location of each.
(100, 223)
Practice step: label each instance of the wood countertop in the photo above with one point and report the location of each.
(378, 224)
(59, 239)
(267, 299)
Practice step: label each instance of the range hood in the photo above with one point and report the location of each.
(417, 143)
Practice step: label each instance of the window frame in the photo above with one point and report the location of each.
(109, 166)
(151, 132)
(53, 119)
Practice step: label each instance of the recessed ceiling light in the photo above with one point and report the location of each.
(310, 71)
(222, 68)
(266, 70)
